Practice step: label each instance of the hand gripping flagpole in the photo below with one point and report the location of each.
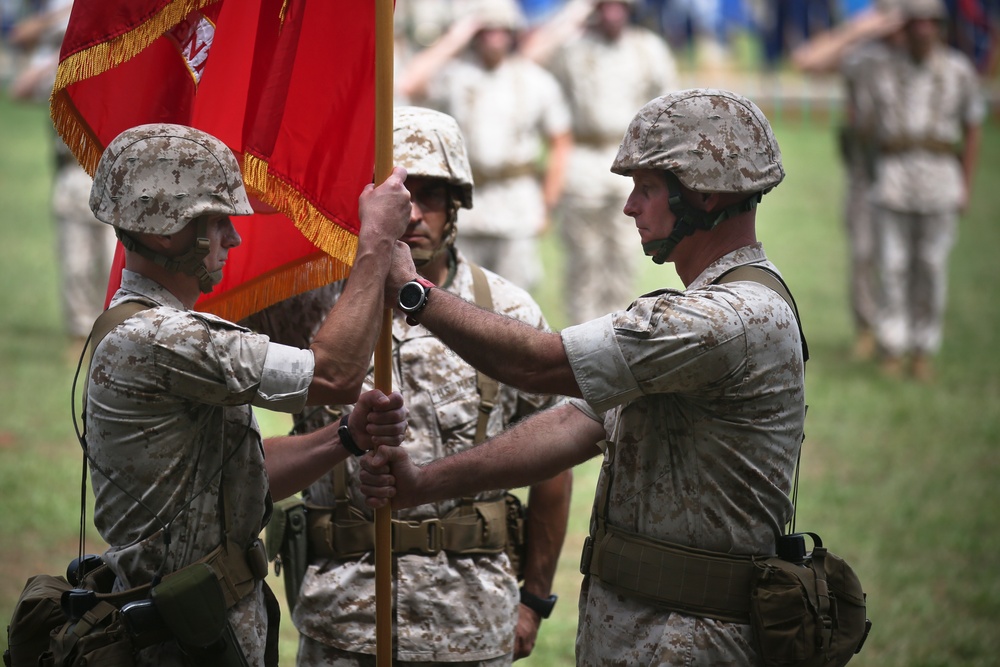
(383, 349)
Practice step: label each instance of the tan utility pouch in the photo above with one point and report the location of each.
(192, 605)
(808, 614)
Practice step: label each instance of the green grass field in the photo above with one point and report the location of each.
(899, 478)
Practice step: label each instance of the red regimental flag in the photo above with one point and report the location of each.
(287, 84)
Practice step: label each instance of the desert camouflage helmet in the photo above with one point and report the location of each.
(157, 178)
(888, 5)
(923, 9)
(710, 140)
(429, 143)
(500, 14)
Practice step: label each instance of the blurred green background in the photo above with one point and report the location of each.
(899, 478)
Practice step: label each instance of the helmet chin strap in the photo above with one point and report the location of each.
(690, 219)
(190, 263)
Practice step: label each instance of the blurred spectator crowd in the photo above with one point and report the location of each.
(778, 26)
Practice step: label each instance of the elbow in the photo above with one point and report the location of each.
(556, 379)
(340, 388)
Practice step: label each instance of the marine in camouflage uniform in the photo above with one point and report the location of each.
(449, 608)
(695, 397)
(858, 152)
(179, 464)
(930, 110)
(606, 73)
(512, 113)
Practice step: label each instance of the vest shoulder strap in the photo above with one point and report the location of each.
(488, 388)
(771, 280)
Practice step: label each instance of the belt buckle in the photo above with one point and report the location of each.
(426, 537)
(435, 535)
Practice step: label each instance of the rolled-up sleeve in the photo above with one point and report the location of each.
(598, 364)
(285, 379)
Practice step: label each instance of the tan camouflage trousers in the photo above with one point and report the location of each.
(621, 631)
(913, 264)
(861, 240)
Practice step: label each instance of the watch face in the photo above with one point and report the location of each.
(411, 296)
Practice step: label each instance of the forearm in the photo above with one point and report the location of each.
(540, 43)
(548, 512)
(417, 75)
(344, 344)
(506, 349)
(536, 449)
(293, 462)
(970, 155)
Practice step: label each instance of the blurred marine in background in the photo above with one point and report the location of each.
(607, 67)
(516, 126)
(928, 112)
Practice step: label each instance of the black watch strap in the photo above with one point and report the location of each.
(542, 606)
(346, 439)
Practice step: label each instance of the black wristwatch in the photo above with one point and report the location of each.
(542, 606)
(346, 439)
(413, 297)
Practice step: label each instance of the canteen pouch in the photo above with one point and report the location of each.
(97, 638)
(37, 614)
(809, 613)
(287, 539)
(193, 607)
(57, 624)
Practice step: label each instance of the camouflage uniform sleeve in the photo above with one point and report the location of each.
(662, 66)
(666, 344)
(556, 116)
(974, 105)
(285, 380)
(207, 359)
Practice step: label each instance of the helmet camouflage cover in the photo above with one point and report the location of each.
(157, 178)
(923, 9)
(503, 14)
(710, 140)
(429, 143)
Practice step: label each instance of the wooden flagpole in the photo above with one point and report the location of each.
(383, 349)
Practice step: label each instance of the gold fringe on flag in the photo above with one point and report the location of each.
(332, 262)
(258, 293)
(338, 245)
(96, 60)
(323, 233)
